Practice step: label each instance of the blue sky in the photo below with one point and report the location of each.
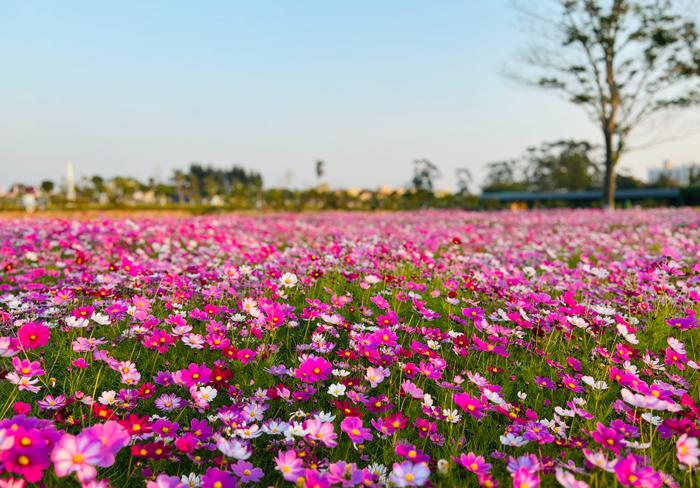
(141, 87)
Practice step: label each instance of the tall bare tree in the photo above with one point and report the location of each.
(621, 60)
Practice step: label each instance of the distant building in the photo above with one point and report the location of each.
(680, 174)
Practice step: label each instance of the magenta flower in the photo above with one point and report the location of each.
(216, 478)
(523, 478)
(314, 369)
(33, 335)
(475, 464)
(28, 463)
(469, 404)
(246, 472)
(352, 426)
(196, 374)
(24, 452)
(630, 472)
(25, 367)
(608, 437)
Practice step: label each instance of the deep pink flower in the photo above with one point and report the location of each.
(352, 426)
(33, 335)
(314, 369)
(216, 478)
(469, 404)
(475, 464)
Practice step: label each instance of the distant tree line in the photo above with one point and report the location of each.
(561, 166)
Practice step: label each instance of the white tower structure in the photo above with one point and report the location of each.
(70, 182)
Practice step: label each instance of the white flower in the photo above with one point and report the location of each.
(578, 322)
(207, 393)
(629, 337)
(108, 397)
(512, 440)
(378, 470)
(493, 397)
(337, 390)
(275, 427)
(451, 416)
(522, 396)
(77, 323)
(191, 480)
(564, 412)
(100, 318)
(325, 417)
(630, 368)
(233, 448)
(373, 280)
(288, 280)
(294, 430)
(249, 432)
(651, 418)
(596, 385)
(195, 341)
(676, 345)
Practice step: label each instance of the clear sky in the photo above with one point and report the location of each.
(141, 87)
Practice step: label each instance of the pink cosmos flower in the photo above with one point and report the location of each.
(25, 367)
(568, 480)
(247, 472)
(33, 335)
(523, 478)
(291, 467)
(113, 438)
(321, 431)
(409, 474)
(165, 481)
(216, 478)
(475, 464)
(314, 369)
(687, 451)
(77, 454)
(352, 426)
(608, 438)
(630, 472)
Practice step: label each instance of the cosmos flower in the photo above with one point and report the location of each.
(78, 455)
(33, 335)
(314, 369)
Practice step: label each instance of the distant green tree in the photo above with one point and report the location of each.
(505, 175)
(562, 165)
(464, 180)
(320, 168)
(424, 175)
(47, 186)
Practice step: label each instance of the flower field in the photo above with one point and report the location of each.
(347, 349)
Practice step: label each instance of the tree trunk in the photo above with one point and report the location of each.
(609, 182)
